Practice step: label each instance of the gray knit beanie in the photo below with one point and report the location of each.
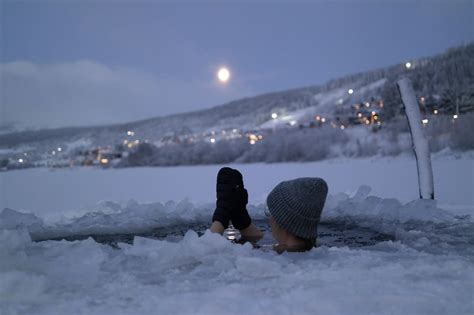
(296, 205)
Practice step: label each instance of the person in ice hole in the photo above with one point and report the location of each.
(293, 207)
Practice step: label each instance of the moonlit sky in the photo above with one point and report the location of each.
(69, 63)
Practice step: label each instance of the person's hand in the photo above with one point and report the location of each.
(239, 216)
(226, 183)
(232, 199)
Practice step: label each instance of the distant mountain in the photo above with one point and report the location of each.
(445, 81)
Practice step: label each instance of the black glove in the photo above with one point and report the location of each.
(232, 199)
(239, 216)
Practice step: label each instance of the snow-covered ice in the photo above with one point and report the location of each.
(70, 192)
(428, 268)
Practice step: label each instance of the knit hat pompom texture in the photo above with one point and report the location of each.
(296, 205)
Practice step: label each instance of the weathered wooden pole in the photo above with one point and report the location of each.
(420, 143)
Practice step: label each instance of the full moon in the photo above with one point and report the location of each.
(223, 75)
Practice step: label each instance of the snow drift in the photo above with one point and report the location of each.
(428, 269)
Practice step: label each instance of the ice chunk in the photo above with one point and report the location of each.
(11, 219)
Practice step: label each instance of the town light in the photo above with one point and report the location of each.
(318, 118)
(20, 160)
(293, 122)
(424, 121)
(455, 116)
(252, 142)
(323, 119)
(59, 149)
(359, 115)
(274, 115)
(342, 127)
(408, 65)
(350, 91)
(104, 161)
(435, 112)
(213, 140)
(130, 133)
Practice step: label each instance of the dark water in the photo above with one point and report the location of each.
(330, 234)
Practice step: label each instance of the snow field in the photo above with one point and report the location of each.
(208, 274)
(428, 269)
(55, 194)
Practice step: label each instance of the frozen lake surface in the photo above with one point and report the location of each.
(382, 251)
(70, 191)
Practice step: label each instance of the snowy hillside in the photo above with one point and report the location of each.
(444, 85)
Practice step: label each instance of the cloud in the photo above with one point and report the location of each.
(86, 92)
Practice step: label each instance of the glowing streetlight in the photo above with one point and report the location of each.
(424, 121)
(435, 112)
(323, 119)
(20, 160)
(455, 116)
(213, 140)
(408, 65)
(350, 91)
(274, 115)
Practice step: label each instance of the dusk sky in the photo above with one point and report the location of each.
(70, 63)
